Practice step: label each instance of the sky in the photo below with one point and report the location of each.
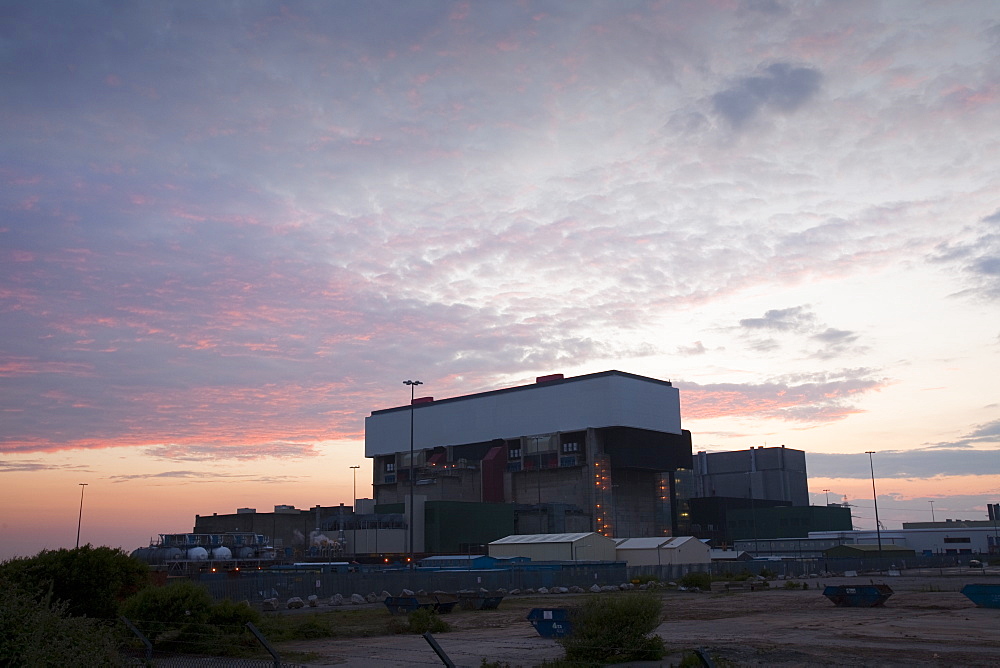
(229, 231)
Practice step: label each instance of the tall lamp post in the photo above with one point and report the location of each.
(413, 386)
(354, 509)
(932, 511)
(79, 520)
(878, 525)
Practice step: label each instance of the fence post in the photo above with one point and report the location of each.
(437, 648)
(140, 636)
(263, 641)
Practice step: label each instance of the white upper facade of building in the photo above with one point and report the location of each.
(606, 399)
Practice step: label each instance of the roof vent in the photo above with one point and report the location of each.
(551, 376)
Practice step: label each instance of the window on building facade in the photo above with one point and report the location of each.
(958, 539)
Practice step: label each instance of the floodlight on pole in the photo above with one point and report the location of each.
(878, 525)
(413, 386)
(79, 520)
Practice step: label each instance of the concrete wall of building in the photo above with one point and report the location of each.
(606, 399)
(777, 474)
(376, 541)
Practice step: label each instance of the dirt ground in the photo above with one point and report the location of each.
(927, 622)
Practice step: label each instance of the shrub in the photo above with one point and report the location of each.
(42, 633)
(697, 579)
(91, 581)
(423, 620)
(615, 629)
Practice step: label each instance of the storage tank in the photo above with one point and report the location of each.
(197, 554)
(222, 553)
(245, 552)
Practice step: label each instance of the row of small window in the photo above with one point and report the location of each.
(515, 453)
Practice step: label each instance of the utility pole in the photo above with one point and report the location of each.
(413, 385)
(79, 520)
(878, 525)
(354, 510)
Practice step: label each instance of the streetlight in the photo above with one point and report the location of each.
(827, 496)
(878, 527)
(354, 509)
(932, 511)
(413, 386)
(79, 520)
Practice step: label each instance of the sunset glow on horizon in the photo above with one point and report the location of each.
(230, 232)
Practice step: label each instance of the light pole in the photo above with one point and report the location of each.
(413, 386)
(932, 511)
(878, 526)
(354, 510)
(827, 496)
(79, 520)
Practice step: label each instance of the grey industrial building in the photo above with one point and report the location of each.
(762, 473)
(596, 452)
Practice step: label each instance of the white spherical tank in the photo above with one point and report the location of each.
(170, 554)
(197, 554)
(222, 553)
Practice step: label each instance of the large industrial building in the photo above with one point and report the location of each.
(761, 473)
(596, 452)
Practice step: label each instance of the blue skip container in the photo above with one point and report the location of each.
(551, 622)
(983, 595)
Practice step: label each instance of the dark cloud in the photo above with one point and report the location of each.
(40, 465)
(796, 318)
(696, 348)
(780, 86)
(233, 451)
(924, 463)
(199, 476)
(978, 258)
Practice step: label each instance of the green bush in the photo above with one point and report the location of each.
(91, 581)
(183, 614)
(615, 629)
(697, 579)
(37, 632)
(423, 620)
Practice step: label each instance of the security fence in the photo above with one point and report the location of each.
(256, 586)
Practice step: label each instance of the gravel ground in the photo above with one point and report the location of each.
(926, 622)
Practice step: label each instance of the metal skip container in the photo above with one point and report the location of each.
(983, 595)
(858, 596)
(550, 623)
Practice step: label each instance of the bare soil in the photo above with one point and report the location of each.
(927, 622)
